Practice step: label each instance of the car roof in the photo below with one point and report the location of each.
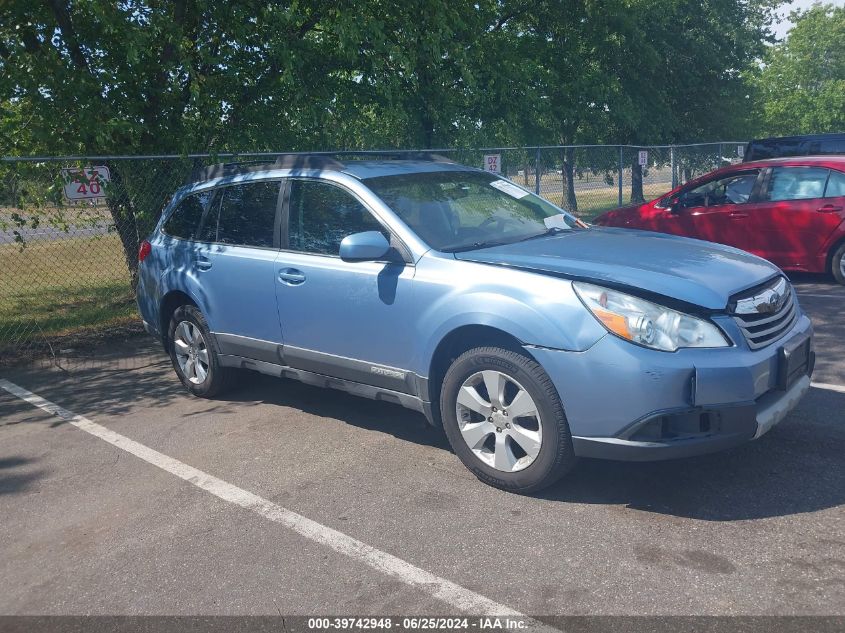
(800, 137)
(416, 162)
(833, 161)
(363, 169)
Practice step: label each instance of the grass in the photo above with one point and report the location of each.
(58, 287)
(53, 217)
(594, 201)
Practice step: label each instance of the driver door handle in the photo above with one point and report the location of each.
(829, 208)
(291, 276)
(737, 215)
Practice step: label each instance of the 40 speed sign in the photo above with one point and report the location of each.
(87, 183)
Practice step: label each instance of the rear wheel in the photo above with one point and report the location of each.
(837, 264)
(193, 354)
(505, 421)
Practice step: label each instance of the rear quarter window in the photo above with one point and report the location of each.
(247, 214)
(185, 220)
(835, 185)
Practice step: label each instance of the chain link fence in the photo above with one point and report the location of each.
(70, 227)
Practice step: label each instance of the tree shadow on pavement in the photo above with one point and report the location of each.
(14, 482)
(105, 384)
(363, 413)
(797, 467)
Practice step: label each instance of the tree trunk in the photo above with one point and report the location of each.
(637, 183)
(123, 213)
(570, 202)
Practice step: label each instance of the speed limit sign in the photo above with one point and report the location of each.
(87, 183)
(493, 162)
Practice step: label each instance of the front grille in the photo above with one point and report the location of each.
(766, 314)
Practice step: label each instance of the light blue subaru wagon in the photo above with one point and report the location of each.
(530, 337)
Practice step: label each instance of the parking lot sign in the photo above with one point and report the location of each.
(87, 183)
(493, 162)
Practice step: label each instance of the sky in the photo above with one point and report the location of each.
(782, 28)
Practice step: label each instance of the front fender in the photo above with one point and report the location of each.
(536, 309)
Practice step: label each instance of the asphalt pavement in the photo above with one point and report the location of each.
(393, 523)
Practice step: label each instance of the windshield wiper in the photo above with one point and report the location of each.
(552, 231)
(474, 246)
(487, 244)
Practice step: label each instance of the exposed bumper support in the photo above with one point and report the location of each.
(774, 406)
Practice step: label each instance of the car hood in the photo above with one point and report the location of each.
(692, 271)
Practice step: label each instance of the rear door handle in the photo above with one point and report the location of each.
(829, 208)
(291, 276)
(203, 264)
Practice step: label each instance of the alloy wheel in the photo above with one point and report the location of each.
(499, 421)
(191, 352)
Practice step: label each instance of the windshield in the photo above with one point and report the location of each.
(462, 210)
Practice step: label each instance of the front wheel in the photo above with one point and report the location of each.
(505, 421)
(837, 264)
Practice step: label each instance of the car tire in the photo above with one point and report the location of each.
(501, 448)
(837, 264)
(194, 354)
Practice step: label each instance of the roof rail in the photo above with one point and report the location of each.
(399, 154)
(315, 160)
(226, 169)
(307, 161)
(283, 161)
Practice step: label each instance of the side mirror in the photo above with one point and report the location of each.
(675, 204)
(366, 246)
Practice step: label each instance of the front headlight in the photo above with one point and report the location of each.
(647, 323)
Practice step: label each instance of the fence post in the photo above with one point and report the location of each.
(563, 200)
(537, 172)
(672, 164)
(619, 179)
(721, 154)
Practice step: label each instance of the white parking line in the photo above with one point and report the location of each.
(453, 594)
(828, 386)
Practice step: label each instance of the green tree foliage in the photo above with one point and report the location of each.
(177, 76)
(801, 88)
(186, 75)
(636, 71)
(683, 81)
(103, 77)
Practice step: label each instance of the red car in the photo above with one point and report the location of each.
(790, 211)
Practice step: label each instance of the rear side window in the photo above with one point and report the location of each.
(835, 185)
(185, 220)
(247, 215)
(322, 214)
(824, 146)
(797, 183)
